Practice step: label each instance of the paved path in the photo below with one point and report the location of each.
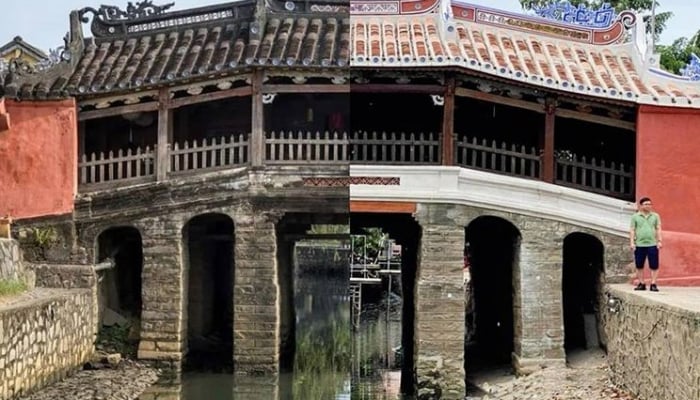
(686, 298)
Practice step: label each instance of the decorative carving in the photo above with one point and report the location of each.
(345, 181)
(268, 98)
(339, 80)
(692, 69)
(133, 11)
(564, 11)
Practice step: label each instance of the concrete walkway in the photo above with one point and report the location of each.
(682, 298)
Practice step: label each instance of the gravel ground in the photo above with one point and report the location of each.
(125, 382)
(586, 378)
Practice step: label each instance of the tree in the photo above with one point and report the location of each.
(677, 55)
(643, 7)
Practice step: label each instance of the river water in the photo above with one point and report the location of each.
(332, 360)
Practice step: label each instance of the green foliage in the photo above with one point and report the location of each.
(116, 339)
(323, 357)
(677, 55)
(642, 7)
(322, 229)
(44, 236)
(374, 240)
(9, 287)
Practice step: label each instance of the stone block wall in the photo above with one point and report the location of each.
(12, 268)
(43, 338)
(439, 320)
(653, 348)
(256, 295)
(164, 283)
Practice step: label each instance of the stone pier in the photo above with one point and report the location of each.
(439, 336)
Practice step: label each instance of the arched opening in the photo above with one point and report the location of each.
(209, 259)
(581, 280)
(384, 338)
(491, 252)
(119, 290)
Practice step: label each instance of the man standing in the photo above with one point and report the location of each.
(645, 240)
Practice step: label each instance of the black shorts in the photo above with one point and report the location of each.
(643, 253)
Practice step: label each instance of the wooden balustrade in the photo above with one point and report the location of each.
(595, 175)
(306, 148)
(132, 166)
(209, 154)
(501, 157)
(394, 148)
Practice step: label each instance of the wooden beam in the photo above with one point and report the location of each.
(118, 110)
(321, 88)
(257, 138)
(391, 207)
(203, 98)
(165, 135)
(494, 98)
(396, 88)
(448, 123)
(547, 142)
(597, 119)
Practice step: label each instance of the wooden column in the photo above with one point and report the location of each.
(547, 141)
(165, 135)
(448, 123)
(257, 134)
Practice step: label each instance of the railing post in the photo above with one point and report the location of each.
(448, 123)
(257, 134)
(165, 135)
(547, 141)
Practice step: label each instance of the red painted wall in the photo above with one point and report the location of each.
(38, 161)
(668, 171)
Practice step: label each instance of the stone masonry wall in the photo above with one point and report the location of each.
(12, 266)
(537, 280)
(164, 283)
(439, 337)
(652, 347)
(44, 336)
(256, 295)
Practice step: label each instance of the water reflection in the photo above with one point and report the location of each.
(331, 361)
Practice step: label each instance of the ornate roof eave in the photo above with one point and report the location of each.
(507, 20)
(60, 65)
(144, 16)
(525, 84)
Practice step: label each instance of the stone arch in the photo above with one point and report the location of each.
(208, 260)
(491, 256)
(582, 275)
(119, 290)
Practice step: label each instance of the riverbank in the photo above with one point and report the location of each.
(587, 377)
(124, 382)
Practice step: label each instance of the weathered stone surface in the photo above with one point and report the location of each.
(440, 312)
(125, 382)
(44, 335)
(653, 347)
(586, 378)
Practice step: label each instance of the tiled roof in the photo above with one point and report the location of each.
(174, 46)
(600, 62)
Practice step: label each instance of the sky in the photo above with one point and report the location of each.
(43, 23)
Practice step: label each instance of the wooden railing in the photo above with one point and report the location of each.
(209, 154)
(306, 148)
(123, 166)
(336, 148)
(501, 157)
(394, 148)
(599, 176)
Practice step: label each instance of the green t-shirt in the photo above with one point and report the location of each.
(645, 227)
